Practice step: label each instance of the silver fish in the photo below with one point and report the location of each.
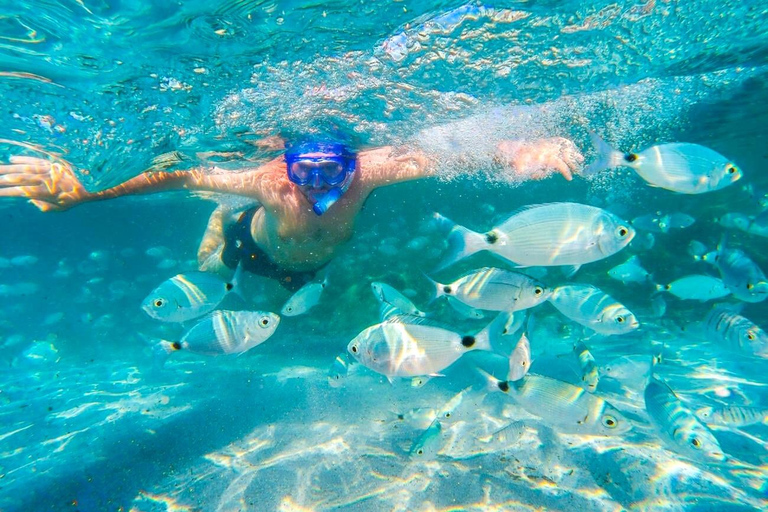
(735, 220)
(339, 370)
(740, 274)
(397, 349)
(460, 407)
(589, 372)
(428, 444)
(188, 296)
(593, 308)
(389, 296)
(662, 223)
(546, 235)
(753, 225)
(631, 271)
(520, 360)
(567, 406)
(494, 289)
(733, 415)
(677, 425)
(225, 332)
(419, 418)
(737, 331)
(680, 167)
(304, 299)
(696, 287)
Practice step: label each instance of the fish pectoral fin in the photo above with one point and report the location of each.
(570, 270)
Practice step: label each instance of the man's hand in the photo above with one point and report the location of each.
(538, 159)
(48, 185)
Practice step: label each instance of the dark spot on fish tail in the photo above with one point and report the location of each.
(446, 289)
(400, 417)
(468, 341)
(630, 157)
(668, 287)
(491, 237)
(228, 286)
(504, 386)
(750, 286)
(176, 345)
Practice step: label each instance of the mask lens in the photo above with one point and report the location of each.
(331, 171)
(299, 172)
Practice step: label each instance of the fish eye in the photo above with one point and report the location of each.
(353, 348)
(695, 442)
(621, 231)
(730, 169)
(620, 319)
(420, 451)
(264, 322)
(751, 336)
(159, 303)
(609, 421)
(750, 286)
(538, 290)
(448, 415)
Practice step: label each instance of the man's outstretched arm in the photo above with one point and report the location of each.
(521, 160)
(54, 186)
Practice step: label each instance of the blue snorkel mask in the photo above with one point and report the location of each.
(323, 170)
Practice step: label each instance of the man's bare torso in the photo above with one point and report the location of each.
(292, 235)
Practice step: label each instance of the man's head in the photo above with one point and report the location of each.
(322, 170)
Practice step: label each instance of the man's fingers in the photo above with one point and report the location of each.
(20, 180)
(561, 167)
(24, 169)
(21, 191)
(29, 160)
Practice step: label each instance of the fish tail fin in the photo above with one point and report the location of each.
(607, 156)
(438, 289)
(162, 349)
(491, 382)
(462, 242)
(491, 335)
(236, 282)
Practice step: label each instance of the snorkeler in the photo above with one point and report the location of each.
(308, 198)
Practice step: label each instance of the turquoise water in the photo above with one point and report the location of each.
(91, 423)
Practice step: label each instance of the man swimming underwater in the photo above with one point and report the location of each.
(308, 198)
